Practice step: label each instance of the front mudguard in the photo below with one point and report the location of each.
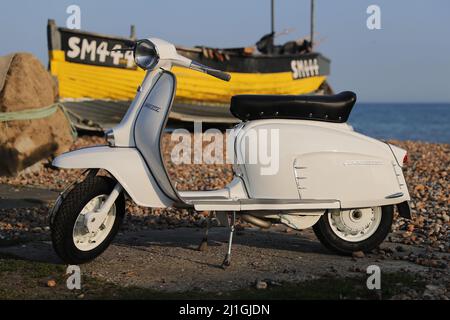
(126, 165)
(66, 191)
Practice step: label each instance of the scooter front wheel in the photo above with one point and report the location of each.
(72, 241)
(347, 231)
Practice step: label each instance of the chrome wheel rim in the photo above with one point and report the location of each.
(355, 225)
(85, 240)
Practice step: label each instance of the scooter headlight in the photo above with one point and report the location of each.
(145, 54)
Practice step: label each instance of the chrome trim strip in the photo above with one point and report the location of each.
(395, 195)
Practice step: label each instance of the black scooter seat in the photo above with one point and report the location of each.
(331, 108)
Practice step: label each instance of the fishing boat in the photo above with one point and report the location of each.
(97, 81)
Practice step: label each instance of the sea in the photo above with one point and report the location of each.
(428, 122)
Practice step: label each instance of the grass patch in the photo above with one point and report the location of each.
(23, 279)
(318, 289)
(9, 263)
(333, 289)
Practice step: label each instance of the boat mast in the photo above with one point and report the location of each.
(133, 32)
(312, 24)
(272, 3)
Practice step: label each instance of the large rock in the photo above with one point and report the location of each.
(25, 84)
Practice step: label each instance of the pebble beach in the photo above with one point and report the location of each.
(427, 175)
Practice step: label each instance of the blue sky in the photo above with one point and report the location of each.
(408, 60)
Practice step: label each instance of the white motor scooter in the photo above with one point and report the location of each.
(341, 182)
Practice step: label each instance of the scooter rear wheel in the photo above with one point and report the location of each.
(71, 240)
(347, 231)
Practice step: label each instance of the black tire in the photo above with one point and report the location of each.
(331, 241)
(67, 214)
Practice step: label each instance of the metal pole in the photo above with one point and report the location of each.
(273, 15)
(312, 24)
(227, 261)
(133, 32)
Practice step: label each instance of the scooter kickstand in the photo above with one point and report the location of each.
(204, 244)
(227, 262)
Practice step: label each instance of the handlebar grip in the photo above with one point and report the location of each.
(219, 74)
(212, 72)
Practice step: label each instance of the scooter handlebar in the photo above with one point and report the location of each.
(219, 74)
(212, 72)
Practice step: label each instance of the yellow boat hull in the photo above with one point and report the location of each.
(83, 81)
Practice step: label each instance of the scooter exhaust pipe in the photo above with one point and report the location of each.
(263, 224)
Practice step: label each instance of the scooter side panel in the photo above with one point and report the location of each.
(358, 180)
(319, 160)
(126, 165)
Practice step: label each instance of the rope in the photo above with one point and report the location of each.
(32, 114)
